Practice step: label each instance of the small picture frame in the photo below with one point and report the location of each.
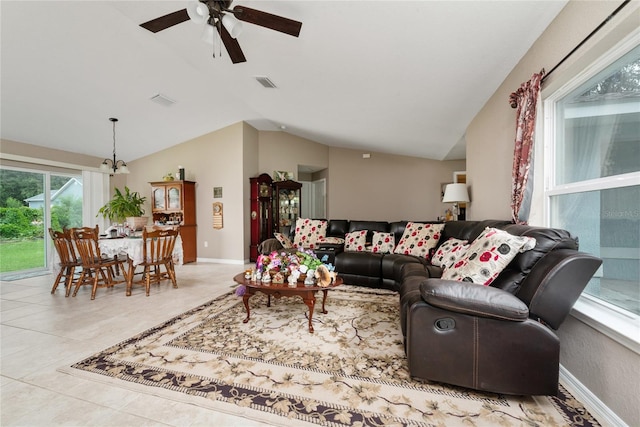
(217, 192)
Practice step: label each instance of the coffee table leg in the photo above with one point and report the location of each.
(310, 301)
(245, 300)
(324, 298)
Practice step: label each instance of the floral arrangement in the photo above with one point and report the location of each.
(284, 266)
(287, 263)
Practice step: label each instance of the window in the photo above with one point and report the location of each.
(594, 173)
(31, 201)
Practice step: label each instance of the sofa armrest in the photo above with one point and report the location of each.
(472, 299)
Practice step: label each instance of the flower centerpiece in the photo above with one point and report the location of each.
(287, 263)
(287, 266)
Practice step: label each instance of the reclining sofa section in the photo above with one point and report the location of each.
(498, 338)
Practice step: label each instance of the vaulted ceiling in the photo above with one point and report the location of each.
(402, 77)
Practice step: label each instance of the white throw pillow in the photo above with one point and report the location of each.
(356, 241)
(383, 243)
(418, 239)
(308, 231)
(449, 252)
(487, 256)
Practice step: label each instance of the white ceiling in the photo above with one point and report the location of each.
(402, 77)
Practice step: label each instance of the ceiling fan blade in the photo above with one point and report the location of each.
(232, 45)
(166, 21)
(264, 19)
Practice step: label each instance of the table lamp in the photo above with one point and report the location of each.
(455, 193)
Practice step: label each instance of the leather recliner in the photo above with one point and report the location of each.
(492, 339)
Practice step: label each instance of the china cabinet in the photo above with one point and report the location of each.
(261, 212)
(174, 203)
(286, 205)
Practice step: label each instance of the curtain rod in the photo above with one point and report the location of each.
(602, 24)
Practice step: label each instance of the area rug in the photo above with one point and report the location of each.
(351, 371)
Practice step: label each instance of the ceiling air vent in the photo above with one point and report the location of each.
(162, 100)
(264, 81)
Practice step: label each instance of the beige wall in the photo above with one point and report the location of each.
(211, 160)
(386, 187)
(281, 151)
(601, 364)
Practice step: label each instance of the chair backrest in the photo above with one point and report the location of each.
(63, 243)
(158, 244)
(86, 241)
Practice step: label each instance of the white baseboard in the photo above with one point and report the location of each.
(595, 406)
(222, 261)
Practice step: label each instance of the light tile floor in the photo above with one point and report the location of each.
(41, 332)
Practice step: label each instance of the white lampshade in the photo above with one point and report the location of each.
(233, 26)
(104, 167)
(454, 193)
(123, 169)
(208, 34)
(198, 12)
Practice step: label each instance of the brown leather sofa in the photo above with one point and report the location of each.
(499, 338)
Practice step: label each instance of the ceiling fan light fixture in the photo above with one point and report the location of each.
(232, 24)
(198, 12)
(208, 34)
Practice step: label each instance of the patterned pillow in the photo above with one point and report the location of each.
(487, 256)
(284, 240)
(383, 243)
(308, 231)
(418, 239)
(450, 252)
(331, 240)
(355, 241)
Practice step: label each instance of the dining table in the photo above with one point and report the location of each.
(132, 247)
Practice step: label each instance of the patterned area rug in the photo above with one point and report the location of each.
(351, 371)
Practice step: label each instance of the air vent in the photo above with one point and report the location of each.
(264, 81)
(162, 100)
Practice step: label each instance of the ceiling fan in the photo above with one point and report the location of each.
(216, 13)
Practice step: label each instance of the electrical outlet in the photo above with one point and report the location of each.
(206, 244)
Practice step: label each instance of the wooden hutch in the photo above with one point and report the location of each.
(174, 202)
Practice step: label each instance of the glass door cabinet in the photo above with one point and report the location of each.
(286, 200)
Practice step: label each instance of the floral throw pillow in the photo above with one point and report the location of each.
(487, 256)
(284, 240)
(308, 231)
(418, 239)
(331, 240)
(355, 241)
(383, 243)
(449, 252)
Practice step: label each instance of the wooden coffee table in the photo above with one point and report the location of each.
(307, 293)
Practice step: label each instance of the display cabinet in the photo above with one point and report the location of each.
(286, 200)
(261, 205)
(174, 203)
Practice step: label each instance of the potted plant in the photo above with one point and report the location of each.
(127, 207)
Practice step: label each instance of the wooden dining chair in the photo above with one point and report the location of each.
(68, 260)
(157, 251)
(96, 269)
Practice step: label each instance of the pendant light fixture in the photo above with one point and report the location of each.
(116, 166)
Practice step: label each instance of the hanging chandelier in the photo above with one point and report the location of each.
(114, 166)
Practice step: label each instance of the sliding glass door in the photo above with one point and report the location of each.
(31, 201)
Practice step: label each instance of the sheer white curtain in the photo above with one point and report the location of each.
(96, 194)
